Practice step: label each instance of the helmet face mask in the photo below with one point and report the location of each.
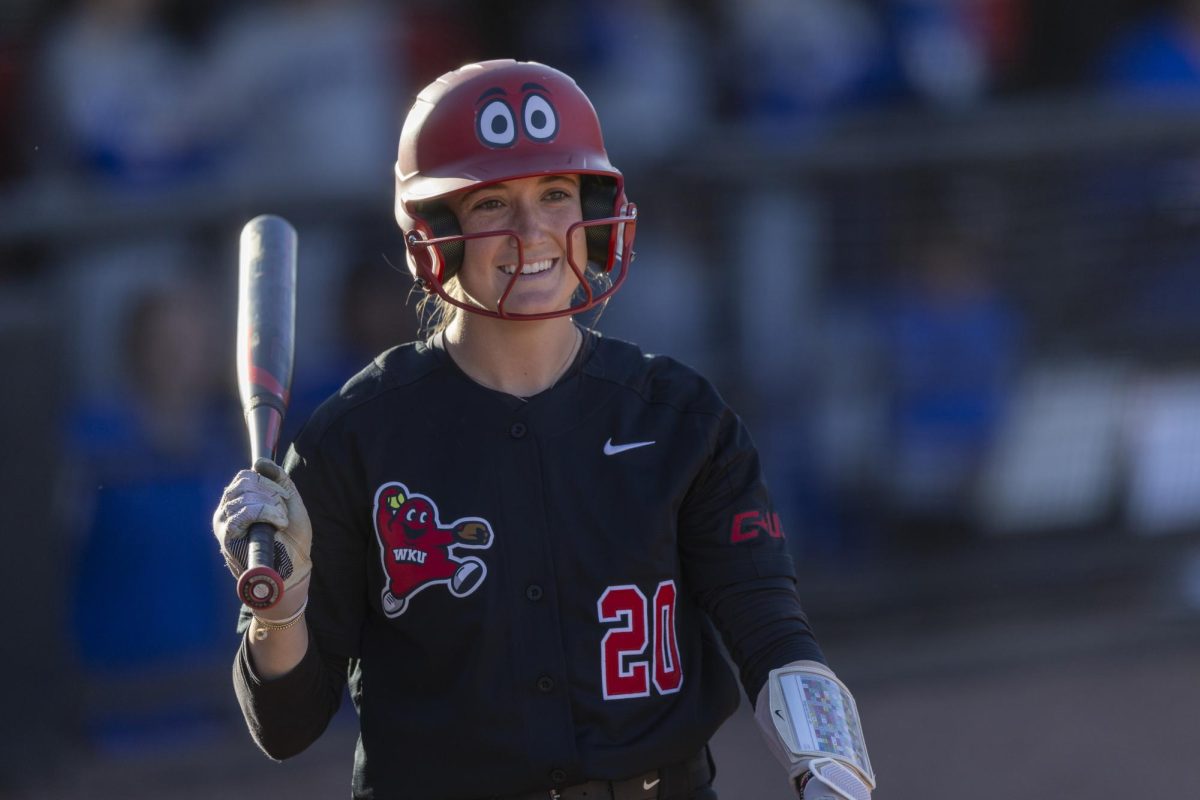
(499, 121)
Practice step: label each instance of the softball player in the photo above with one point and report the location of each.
(519, 540)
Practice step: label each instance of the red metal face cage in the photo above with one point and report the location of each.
(463, 132)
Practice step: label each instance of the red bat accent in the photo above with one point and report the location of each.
(260, 377)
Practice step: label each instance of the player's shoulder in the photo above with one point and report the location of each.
(654, 378)
(389, 372)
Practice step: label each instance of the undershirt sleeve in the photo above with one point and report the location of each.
(287, 714)
(763, 627)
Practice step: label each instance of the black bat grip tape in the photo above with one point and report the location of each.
(260, 586)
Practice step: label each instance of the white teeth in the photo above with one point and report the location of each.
(531, 267)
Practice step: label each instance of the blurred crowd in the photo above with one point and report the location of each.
(150, 93)
(900, 404)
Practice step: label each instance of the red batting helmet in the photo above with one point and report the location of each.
(496, 121)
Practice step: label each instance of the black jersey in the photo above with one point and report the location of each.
(527, 587)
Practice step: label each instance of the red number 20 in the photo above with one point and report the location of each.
(623, 674)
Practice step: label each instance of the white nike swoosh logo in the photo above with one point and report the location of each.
(611, 449)
(645, 783)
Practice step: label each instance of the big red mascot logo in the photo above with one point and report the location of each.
(418, 551)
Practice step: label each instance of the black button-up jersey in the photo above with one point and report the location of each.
(520, 586)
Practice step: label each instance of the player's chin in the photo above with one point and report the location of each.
(531, 306)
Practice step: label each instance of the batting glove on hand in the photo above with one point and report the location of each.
(265, 494)
(828, 780)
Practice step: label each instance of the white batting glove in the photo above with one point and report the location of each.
(826, 779)
(265, 494)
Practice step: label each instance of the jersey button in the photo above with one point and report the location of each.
(545, 684)
(533, 592)
(558, 775)
(518, 430)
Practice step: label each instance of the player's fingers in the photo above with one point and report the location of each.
(251, 483)
(271, 471)
(238, 484)
(271, 474)
(249, 493)
(243, 511)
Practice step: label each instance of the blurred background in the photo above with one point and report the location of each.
(942, 255)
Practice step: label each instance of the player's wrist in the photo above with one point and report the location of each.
(265, 627)
(293, 602)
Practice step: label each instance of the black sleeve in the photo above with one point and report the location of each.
(287, 714)
(737, 562)
(328, 478)
(763, 627)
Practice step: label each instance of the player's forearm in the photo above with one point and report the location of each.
(763, 626)
(279, 654)
(810, 722)
(287, 714)
(274, 650)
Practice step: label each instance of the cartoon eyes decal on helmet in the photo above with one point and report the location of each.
(496, 124)
(539, 118)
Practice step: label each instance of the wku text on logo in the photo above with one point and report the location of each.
(418, 551)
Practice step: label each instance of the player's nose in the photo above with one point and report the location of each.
(530, 221)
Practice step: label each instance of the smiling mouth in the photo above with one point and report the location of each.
(529, 267)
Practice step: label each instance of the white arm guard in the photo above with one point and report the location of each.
(811, 724)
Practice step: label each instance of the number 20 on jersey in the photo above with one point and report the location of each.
(628, 670)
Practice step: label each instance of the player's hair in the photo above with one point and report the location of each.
(434, 314)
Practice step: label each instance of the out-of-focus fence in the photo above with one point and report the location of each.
(990, 316)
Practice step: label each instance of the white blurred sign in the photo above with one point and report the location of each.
(1164, 456)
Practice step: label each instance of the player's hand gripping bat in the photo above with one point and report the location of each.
(265, 351)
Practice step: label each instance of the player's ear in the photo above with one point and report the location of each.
(443, 221)
(597, 199)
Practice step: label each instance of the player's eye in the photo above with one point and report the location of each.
(409, 516)
(497, 127)
(541, 123)
(490, 204)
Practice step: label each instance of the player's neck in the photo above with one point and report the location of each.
(517, 358)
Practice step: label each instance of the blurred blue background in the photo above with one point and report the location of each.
(942, 255)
